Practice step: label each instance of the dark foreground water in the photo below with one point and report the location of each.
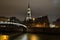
(30, 36)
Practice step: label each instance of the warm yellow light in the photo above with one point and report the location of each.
(4, 37)
(34, 37)
(33, 19)
(52, 26)
(38, 25)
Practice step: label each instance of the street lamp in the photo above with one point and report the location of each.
(33, 19)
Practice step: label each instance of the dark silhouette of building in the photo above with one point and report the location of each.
(41, 22)
(57, 23)
(14, 19)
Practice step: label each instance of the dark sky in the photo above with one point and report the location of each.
(18, 8)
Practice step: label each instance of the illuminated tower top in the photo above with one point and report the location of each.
(28, 12)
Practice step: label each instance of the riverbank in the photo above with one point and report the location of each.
(44, 30)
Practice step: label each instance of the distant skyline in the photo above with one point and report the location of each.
(18, 8)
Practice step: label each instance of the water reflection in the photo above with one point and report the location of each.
(22, 37)
(33, 37)
(4, 37)
(29, 36)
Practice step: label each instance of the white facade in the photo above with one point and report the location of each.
(28, 11)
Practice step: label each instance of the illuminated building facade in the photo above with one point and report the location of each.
(28, 20)
(3, 18)
(9, 19)
(41, 22)
(28, 12)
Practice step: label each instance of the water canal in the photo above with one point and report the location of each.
(30, 36)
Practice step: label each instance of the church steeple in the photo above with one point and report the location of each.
(28, 12)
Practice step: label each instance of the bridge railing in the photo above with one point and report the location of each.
(18, 24)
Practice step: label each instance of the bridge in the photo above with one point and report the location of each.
(12, 27)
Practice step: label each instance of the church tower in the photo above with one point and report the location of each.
(28, 12)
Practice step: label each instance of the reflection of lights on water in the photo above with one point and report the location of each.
(4, 37)
(34, 37)
(24, 37)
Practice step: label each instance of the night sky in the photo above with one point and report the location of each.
(18, 8)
